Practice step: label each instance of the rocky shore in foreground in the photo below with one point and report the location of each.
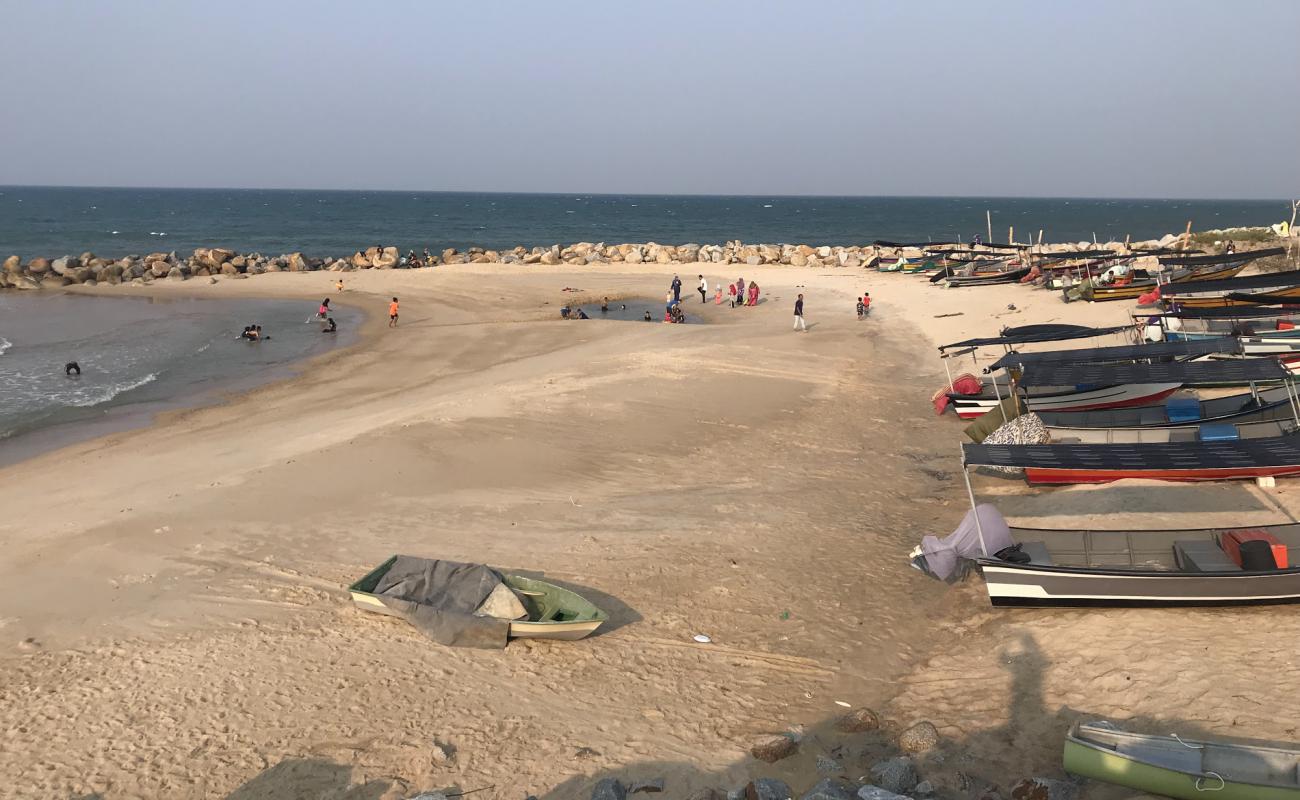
(90, 269)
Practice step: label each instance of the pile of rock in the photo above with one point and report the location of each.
(858, 758)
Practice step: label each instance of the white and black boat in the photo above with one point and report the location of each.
(1044, 568)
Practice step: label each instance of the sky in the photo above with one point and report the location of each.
(1080, 99)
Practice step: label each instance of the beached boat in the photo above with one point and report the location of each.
(1139, 282)
(1187, 769)
(553, 612)
(1178, 433)
(1262, 406)
(970, 406)
(1272, 286)
(979, 279)
(1048, 568)
(1202, 460)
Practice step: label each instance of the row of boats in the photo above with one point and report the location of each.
(1188, 279)
(1135, 410)
(1207, 393)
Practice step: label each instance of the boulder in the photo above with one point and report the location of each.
(297, 263)
(798, 260)
(229, 268)
(609, 789)
(824, 252)
(549, 258)
(688, 253)
(708, 793)
(772, 749)
(359, 260)
(201, 272)
(829, 789)
(653, 786)
(176, 274)
(80, 274)
(767, 789)
(665, 256)
(38, 266)
(753, 260)
(895, 774)
(65, 265)
(859, 720)
(1168, 240)
(633, 255)
(828, 766)
(13, 264)
(24, 282)
(1043, 789)
(919, 738)
(877, 793)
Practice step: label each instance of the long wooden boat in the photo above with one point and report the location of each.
(1106, 397)
(1277, 286)
(1117, 568)
(1180, 433)
(553, 611)
(978, 279)
(1277, 456)
(1266, 405)
(1181, 768)
(1143, 282)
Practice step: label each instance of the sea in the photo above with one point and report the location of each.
(139, 356)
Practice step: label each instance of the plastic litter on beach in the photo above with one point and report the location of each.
(701, 638)
(842, 703)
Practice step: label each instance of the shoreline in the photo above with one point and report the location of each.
(127, 417)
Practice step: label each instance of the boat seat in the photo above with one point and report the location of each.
(1037, 552)
(1203, 555)
(1167, 755)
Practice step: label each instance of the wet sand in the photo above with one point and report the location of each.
(173, 620)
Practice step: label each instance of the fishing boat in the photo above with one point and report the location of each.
(1139, 282)
(1050, 568)
(1259, 406)
(1275, 286)
(1187, 769)
(553, 612)
(978, 279)
(1202, 460)
(970, 406)
(1176, 433)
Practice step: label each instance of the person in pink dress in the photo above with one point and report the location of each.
(753, 294)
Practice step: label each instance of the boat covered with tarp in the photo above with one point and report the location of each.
(1030, 334)
(1185, 768)
(473, 605)
(1121, 353)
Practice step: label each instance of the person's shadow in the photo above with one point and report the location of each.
(308, 779)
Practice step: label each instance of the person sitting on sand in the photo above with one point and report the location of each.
(565, 311)
(582, 315)
(392, 313)
(678, 316)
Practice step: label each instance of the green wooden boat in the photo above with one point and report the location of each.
(1184, 768)
(553, 612)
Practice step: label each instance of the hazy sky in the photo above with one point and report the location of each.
(1096, 98)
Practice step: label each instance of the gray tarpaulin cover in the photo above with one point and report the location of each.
(440, 598)
(944, 558)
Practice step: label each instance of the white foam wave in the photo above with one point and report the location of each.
(5, 344)
(102, 394)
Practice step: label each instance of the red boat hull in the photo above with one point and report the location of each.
(1064, 476)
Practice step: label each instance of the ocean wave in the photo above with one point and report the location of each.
(102, 394)
(5, 344)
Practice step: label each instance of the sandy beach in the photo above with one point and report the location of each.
(173, 613)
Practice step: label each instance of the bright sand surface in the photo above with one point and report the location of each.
(173, 620)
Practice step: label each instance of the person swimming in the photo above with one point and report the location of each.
(604, 306)
(648, 318)
(72, 369)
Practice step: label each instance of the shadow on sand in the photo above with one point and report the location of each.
(308, 779)
(994, 760)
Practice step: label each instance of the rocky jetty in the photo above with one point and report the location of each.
(211, 262)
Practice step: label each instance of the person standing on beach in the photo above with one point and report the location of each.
(704, 290)
(798, 315)
(392, 313)
(677, 289)
(339, 286)
(740, 291)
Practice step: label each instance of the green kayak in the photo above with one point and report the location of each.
(1184, 768)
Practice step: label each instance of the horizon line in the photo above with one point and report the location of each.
(771, 196)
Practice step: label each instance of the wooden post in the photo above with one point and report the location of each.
(1040, 237)
(1187, 237)
(1011, 234)
(988, 216)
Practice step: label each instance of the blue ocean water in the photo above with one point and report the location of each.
(44, 221)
